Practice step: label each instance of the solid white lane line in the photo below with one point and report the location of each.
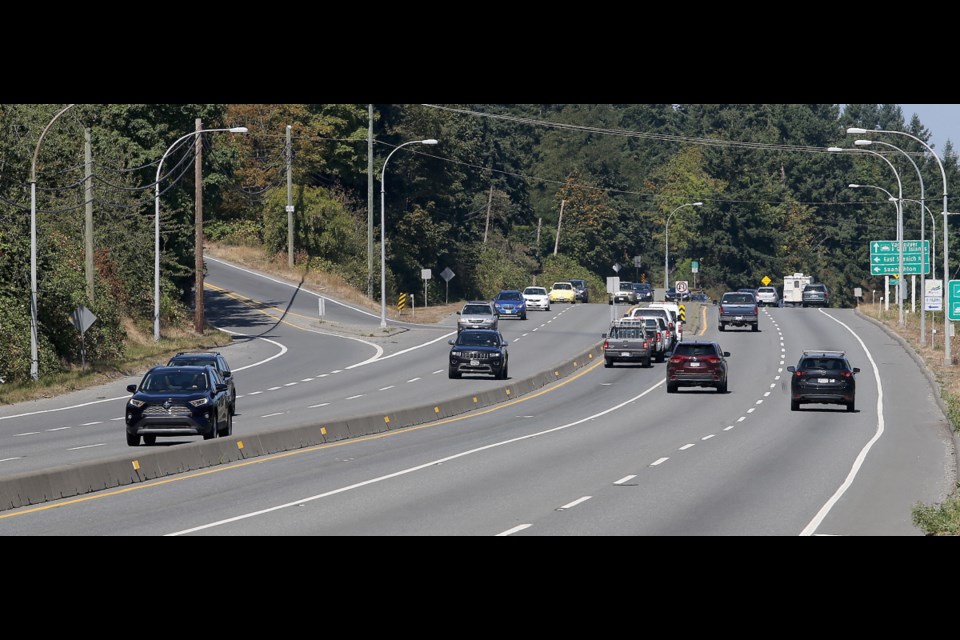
(274, 388)
(378, 358)
(359, 395)
(317, 406)
(687, 446)
(519, 527)
(571, 505)
(414, 380)
(658, 462)
(87, 446)
(254, 393)
(28, 433)
(858, 462)
(728, 428)
(427, 465)
(290, 384)
(304, 380)
(620, 481)
(57, 429)
(712, 435)
(436, 372)
(385, 388)
(741, 419)
(9, 459)
(270, 415)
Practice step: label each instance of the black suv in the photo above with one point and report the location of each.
(644, 292)
(215, 360)
(478, 351)
(581, 291)
(823, 377)
(178, 401)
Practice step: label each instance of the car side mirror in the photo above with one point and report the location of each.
(714, 302)
(131, 388)
(726, 354)
(603, 336)
(227, 374)
(221, 386)
(792, 369)
(856, 369)
(458, 313)
(451, 342)
(504, 344)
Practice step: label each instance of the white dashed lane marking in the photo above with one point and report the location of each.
(10, 459)
(751, 409)
(359, 395)
(767, 393)
(760, 401)
(741, 419)
(658, 462)
(88, 424)
(337, 371)
(323, 375)
(519, 527)
(708, 437)
(622, 480)
(413, 380)
(571, 505)
(307, 380)
(687, 446)
(87, 446)
(436, 372)
(274, 388)
(317, 406)
(385, 388)
(58, 429)
(254, 393)
(28, 433)
(728, 428)
(525, 335)
(270, 415)
(290, 384)
(121, 417)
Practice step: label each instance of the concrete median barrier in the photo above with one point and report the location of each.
(144, 464)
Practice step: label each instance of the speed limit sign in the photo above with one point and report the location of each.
(681, 286)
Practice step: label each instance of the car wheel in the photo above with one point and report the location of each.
(756, 327)
(722, 387)
(149, 440)
(647, 363)
(548, 307)
(227, 430)
(503, 372)
(133, 440)
(794, 405)
(233, 406)
(851, 406)
(523, 317)
(722, 326)
(214, 419)
(671, 387)
(454, 375)
(660, 357)
(607, 363)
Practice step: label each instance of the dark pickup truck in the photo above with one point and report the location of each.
(628, 341)
(739, 309)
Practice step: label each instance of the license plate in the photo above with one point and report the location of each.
(624, 354)
(694, 364)
(824, 380)
(739, 317)
(474, 363)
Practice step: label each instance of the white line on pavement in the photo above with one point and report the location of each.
(728, 428)
(436, 372)
(9, 459)
(571, 505)
(385, 388)
(87, 446)
(254, 393)
(28, 433)
(687, 446)
(307, 380)
(620, 481)
(741, 419)
(658, 462)
(766, 394)
(519, 527)
(122, 417)
(290, 384)
(270, 415)
(413, 380)
(359, 395)
(317, 406)
(58, 429)
(712, 435)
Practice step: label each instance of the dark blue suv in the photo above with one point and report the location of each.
(178, 401)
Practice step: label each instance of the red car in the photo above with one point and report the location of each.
(697, 364)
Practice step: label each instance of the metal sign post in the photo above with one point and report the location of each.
(82, 318)
(447, 276)
(426, 274)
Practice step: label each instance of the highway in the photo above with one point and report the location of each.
(602, 452)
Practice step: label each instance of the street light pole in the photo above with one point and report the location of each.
(666, 243)
(156, 226)
(383, 246)
(947, 355)
(867, 143)
(34, 353)
(901, 321)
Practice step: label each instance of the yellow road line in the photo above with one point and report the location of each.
(286, 454)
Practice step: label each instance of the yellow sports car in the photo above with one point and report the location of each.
(563, 292)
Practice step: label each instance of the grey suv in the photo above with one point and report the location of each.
(581, 289)
(477, 315)
(815, 295)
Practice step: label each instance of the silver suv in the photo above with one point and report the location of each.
(477, 315)
(815, 295)
(767, 296)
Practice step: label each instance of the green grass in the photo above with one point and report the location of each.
(939, 520)
(141, 355)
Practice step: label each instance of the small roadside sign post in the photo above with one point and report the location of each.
(447, 276)
(613, 285)
(426, 274)
(682, 286)
(637, 261)
(82, 318)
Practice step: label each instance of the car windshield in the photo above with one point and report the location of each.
(193, 361)
(509, 295)
(738, 298)
(467, 339)
(687, 349)
(174, 382)
(535, 291)
(577, 283)
(477, 309)
(562, 286)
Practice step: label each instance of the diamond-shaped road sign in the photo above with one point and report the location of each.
(447, 274)
(82, 318)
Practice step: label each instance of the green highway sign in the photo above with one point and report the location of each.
(885, 257)
(953, 300)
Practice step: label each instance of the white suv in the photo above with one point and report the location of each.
(767, 296)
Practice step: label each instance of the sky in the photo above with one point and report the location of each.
(942, 120)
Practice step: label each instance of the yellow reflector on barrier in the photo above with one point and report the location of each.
(239, 444)
(386, 419)
(323, 431)
(136, 465)
(436, 409)
(475, 401)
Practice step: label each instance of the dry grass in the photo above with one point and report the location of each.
(325, 283)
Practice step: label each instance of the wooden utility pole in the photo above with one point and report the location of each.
(556, 244)
(489, 202)
(198, 323)
(88, 218)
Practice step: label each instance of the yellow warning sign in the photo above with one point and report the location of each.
(766, 281)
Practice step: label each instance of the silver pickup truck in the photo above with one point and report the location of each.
(628, 341)
(739, 309)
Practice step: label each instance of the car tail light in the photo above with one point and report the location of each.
(677, 359)
(645, 345)
(846, 374)
(606, 345)
(712, 359)
(756, 310)
(659, 337)
(799, 373)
